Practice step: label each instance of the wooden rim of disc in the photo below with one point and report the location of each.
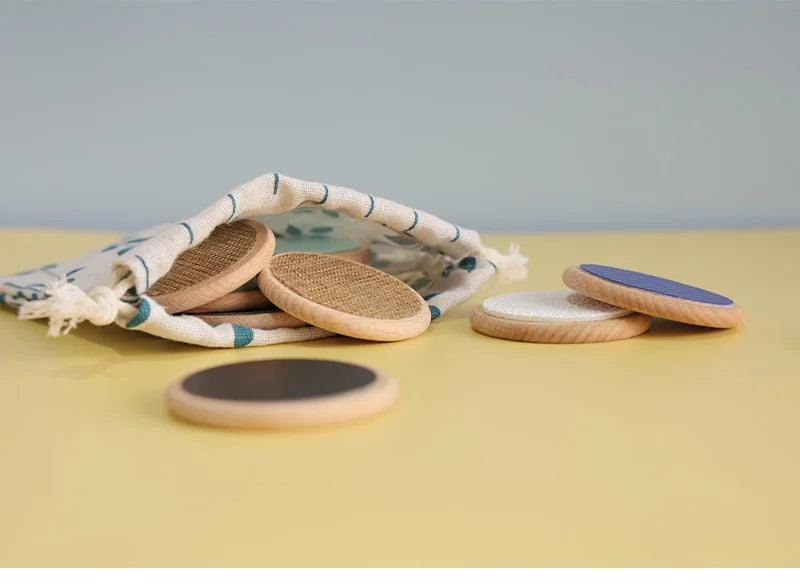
(346, 248)
(266, 318)
(231, 255)
(344, 296)
(235, 301)
(374, 392)
(361, 255)
(613, 329)
(653, 303)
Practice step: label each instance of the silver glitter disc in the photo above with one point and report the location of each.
(551, 306)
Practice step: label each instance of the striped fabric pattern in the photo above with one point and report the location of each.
(139, 260)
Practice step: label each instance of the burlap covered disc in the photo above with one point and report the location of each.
(232, 254)
(344, 296)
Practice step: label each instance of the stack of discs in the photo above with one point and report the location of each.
(605, 304)
(234, 276)
(210, 280)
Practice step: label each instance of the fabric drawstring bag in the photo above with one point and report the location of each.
(445, 263)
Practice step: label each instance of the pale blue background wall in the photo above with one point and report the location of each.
(499, 117)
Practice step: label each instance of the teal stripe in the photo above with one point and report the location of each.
(233, 201)
(324, 198)
(146, 272)
(458, 234)
(371, 206)
(435, 312)
(241, 335)
(141, 315)
(492, 264)
(191, 234)
(414, 224)
(275, 187)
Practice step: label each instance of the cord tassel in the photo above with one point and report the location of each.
(66, 305)
(510, 266)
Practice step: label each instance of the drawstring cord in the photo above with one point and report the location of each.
(66, 305)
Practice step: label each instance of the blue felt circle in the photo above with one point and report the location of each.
(655, 284)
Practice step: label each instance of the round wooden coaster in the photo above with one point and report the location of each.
(282, 393)
(653, 295)
(232, 254)
(344, 296)
(235, 301)
(555, 316)
(265, 318)
(326, 245)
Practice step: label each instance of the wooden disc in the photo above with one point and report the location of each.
(232, 254)
(282, 393)
(327, 245)
(653, 295)
(344, 296)
(235, 301)
(265, 318)
(249, 297)
(558, 316)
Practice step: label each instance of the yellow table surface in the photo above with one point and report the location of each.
(677, 448)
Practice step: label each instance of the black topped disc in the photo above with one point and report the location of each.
(278, 379)
(280, 393)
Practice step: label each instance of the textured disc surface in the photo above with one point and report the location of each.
(655, 284)
(653, 295)
(344, 296)
(549, 331)
(233, 301)
(328, 245)
(551, 306)
(269, 318)
(282, 393)
(231, 255)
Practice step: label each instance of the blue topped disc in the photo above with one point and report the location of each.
(653, 296)
(655, 284)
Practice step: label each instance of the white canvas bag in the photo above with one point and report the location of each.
(445, 263)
